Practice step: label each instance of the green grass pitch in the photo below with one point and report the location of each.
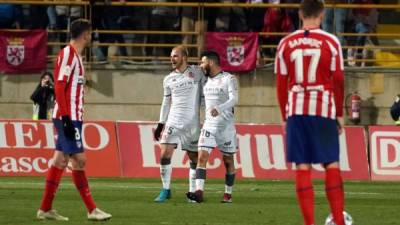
(255, 202)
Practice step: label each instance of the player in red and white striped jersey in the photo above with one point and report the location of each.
(69, 78)
(309, 64)
(67, 119)
(310, 80)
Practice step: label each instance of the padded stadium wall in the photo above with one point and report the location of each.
(120, 92)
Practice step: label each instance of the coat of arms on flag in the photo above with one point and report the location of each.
(23, 52)
(15, 51)
(235, 51)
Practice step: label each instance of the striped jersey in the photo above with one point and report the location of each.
(69, 84)
(310, 78)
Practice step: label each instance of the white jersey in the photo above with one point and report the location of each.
(182, 98)
(221, 93)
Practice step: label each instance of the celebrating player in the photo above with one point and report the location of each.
(179, 118)
(310, 80)
(67, 119)
(221, 95)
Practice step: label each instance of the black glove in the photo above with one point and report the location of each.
(395, 109)
(68, 127)
(157, 132)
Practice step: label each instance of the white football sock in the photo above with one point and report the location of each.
(228, 189)
(200, 184)
(165, 173)
(192, 180)
(200, 178)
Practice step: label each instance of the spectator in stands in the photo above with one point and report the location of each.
(137, 18)
(106, 17)
(363, 21)
(10, 16)
(275, 20)
(231, 19)
(335, 19)
(165, 19)
(293, 14)
(64, 16)
(112, 20)
(255, 16)
(190, 22)
(34, 17)
(43, 97)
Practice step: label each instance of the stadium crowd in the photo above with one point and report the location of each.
(161, 18)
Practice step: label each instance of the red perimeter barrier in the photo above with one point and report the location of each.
(261, 154)
(385, 152)
(26, 148)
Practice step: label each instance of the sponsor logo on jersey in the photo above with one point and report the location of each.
(213, 90)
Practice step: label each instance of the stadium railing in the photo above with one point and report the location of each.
(200, 16)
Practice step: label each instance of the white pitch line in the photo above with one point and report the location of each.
(134, 186)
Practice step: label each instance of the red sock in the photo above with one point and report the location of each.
(335, 194)
(305, 195)
(52, 181)
(81, 183)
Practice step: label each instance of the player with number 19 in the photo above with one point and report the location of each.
(310, 86)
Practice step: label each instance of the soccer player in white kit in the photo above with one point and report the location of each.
(179, 118)
(220, 94)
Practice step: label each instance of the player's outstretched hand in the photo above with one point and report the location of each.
(68, 127)
(157, 132)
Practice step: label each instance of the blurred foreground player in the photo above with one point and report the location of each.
(310, 80)
(67, 118)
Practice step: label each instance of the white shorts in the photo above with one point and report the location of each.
(188, 138)
(225, 140)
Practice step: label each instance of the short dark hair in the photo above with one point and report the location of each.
(78, 27)
(311, 8)
(211, 55)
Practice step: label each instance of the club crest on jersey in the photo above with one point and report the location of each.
(79, 144)
(235, 51)
(190, 74)
(15, 51)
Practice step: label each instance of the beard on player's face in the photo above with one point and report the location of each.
(176, 63)
(207, 70)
